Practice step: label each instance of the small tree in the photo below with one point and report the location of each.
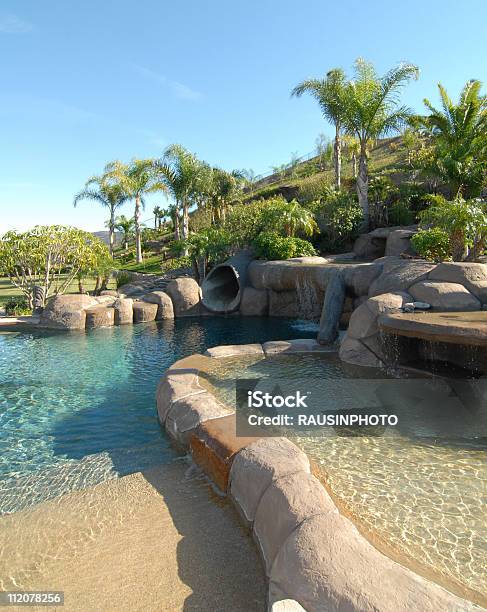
(457, 134)
(464, 221)
(50, 257)
(288, 218)
(126, 226)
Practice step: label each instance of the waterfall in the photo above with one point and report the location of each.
(307, 299)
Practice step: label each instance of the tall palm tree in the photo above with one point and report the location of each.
(329, 94)
(371, 110)
(126, 227)
(179, 170)
(225, 188)
(137, 179)
(112, 196)
(458, 135)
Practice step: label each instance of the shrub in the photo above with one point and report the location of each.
(175, 264)
(271, 245)
(465, 221)
(288, 218)
(339, 218)
(400, 213)
(123, 278)
(432, 244)
(17, 305)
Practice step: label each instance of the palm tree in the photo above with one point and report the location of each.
(329, 94)
(126, 226)
(159, 214)
(109, 195)
(137, 179)
(179, 170)
(225, 190)
(458, 135)
(371, 110)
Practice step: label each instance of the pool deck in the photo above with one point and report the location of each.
(157, 540)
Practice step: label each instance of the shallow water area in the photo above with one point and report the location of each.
(418, 491)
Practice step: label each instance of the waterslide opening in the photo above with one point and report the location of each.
(221, 289)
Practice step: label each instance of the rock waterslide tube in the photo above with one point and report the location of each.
(223, 287)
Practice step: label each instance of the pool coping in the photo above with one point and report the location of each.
(315, 558)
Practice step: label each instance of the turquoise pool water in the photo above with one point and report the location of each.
(79, 408)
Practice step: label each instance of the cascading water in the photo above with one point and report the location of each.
(309, 306)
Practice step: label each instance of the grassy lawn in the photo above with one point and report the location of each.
(150, 265)
(7, 290)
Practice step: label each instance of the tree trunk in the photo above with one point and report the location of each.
(338, 157)
(111, 231)
(354, 161)
(81, 289)
(185, 225)
(175, 220)
(138, 241)
(458, 245)
(363, 186)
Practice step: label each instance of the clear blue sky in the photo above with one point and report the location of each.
(83, 83)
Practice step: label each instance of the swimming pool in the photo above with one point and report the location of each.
(78, 408)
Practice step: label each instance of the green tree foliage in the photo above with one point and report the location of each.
(328, 92)
(371, 110)
(126, 227)
(99, 189)
(288, 218)
(465, 222)
(457, 134)
(51, 257)
(339, 218)
(136, 179)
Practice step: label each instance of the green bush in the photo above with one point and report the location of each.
(465, 222)
(400, 213)
(123, 278)
(432, 244)
(17, 305)
(339, 218)
(272, 246)
(174, 264)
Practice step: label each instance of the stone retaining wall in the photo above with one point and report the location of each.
(314, 557)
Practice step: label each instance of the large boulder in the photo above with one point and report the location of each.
(67, 311)
(472, 275)
(255, 302)
(361, 345)
(144, 311)
(358, 278)
(99, 316)
(399, 274)
(399, 241)
(369, 246)
(124, 313)
(165, 309)
(186, 295)
(355, 352)
(445, 296)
